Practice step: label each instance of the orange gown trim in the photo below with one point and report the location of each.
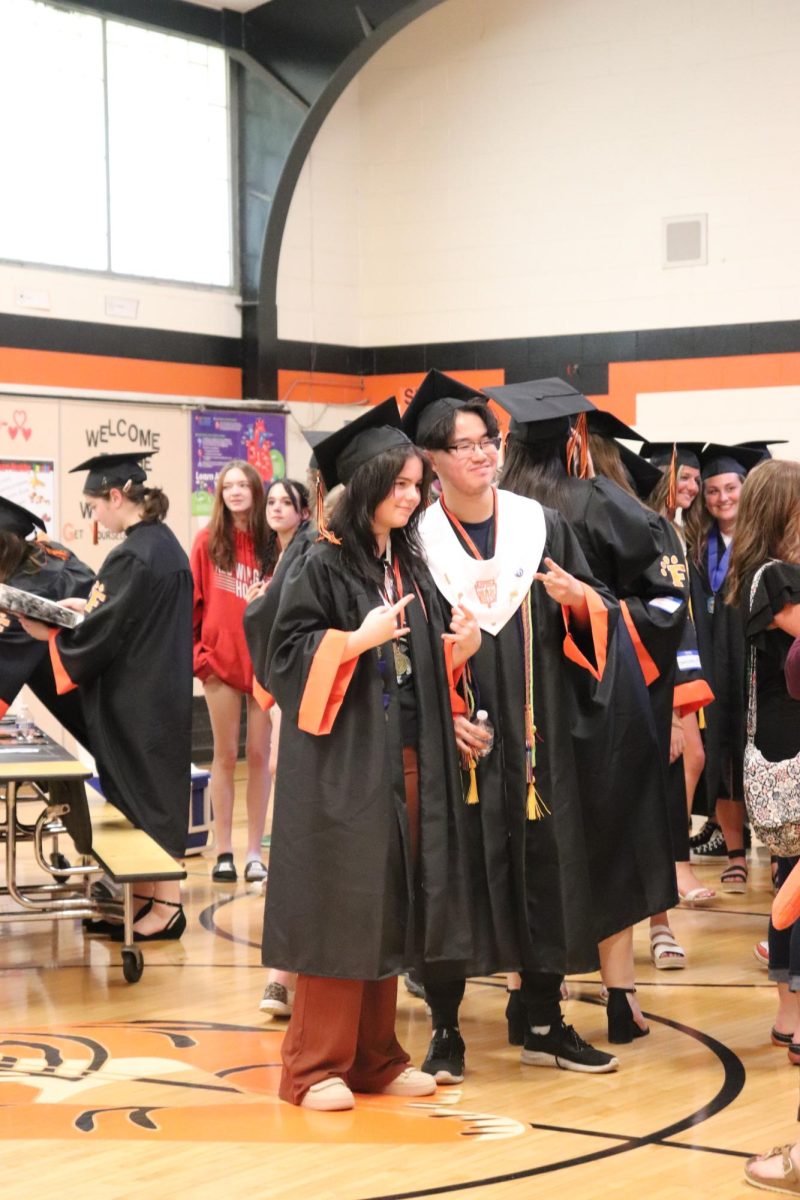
(598, 623)
(648, 667)
(62, 677)
(327, 684)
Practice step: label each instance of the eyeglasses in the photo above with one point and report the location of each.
(465, 449)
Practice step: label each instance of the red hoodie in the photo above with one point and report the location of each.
(219, 602)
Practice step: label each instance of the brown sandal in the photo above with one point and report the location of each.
(788, 1183)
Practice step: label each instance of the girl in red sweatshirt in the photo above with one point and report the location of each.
(227, 564)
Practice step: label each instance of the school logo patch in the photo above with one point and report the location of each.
(194, 1081)
(97, 596)
(672, 567)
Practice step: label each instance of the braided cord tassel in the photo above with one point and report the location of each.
(536, 807)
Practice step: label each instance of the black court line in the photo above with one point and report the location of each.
(619, 1137)
(732, 1084)
(208, 923)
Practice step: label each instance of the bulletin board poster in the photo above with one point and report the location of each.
(31, 485)
(219, 436)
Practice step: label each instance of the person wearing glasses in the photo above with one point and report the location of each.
(521, 571)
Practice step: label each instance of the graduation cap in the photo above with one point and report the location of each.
(605, 424)
(728, 460)
(16, 519)
(340, 454)
(112, 470)
(643, 474)
(314, 437)
(541, 408)
(436, 397)
(763, 447)
(687, 454)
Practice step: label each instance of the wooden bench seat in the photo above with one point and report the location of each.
(128, 855)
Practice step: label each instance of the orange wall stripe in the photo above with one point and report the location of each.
(48, 368)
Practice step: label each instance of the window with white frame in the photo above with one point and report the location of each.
(115, 145)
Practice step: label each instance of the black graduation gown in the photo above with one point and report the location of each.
(623, 760)
(720, 640)
(132, 661)
(777, 713)
(23, 659)
(536, 905)
(259, 615)
(344, 900)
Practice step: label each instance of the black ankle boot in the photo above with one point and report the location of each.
(622, 1027)
(517, 1018)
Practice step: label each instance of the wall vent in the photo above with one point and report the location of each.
(684, 241)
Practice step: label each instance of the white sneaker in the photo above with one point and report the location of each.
(329, 1095)
(410, 1082)
(761, 954)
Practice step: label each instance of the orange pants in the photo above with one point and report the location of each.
(345, 1027)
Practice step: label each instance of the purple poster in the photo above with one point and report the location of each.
(220, 435)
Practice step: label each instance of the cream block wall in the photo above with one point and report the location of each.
(81, 296)
(506, 165)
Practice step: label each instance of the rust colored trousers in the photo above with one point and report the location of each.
(345, 1027)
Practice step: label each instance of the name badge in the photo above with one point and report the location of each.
(710, 604)
(688, 660)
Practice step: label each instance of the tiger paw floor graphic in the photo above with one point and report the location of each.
(195, 1081)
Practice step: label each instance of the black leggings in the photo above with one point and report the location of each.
(541, 995)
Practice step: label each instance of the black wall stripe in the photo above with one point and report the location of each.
(118, 341)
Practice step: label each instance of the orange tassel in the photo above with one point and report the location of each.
(95, 533)
(322, 524)
(579, 440)
(672, 490)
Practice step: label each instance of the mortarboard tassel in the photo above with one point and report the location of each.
(322, 524)
(579, 440)
(672, 490)
(95, 533)
(472, 794)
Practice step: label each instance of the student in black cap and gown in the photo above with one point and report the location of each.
(545, 641)
(45, 568)
(366, 867)
(710, 530)
(131, 659)
(623, 789)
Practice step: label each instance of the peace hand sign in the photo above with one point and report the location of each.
(560, 585)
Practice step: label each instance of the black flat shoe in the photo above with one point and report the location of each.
(622, 1027)
(224, 870)
(174, 928)
(517, 1018)
(104, 928)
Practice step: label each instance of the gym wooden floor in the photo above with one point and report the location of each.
(167, 1088)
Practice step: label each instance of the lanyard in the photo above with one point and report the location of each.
(717, 567)
(454, 521)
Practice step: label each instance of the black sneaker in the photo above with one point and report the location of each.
(714, 848)
(563, 1047)
(704, 834)
(445, 1057)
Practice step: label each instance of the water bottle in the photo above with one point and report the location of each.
(482, 721)
(24, 728)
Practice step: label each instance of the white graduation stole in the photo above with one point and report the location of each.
(492, 588)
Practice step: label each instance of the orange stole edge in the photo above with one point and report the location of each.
(689, 697)
(457, 702)
(598, 623)
(648, 667)
(327, 684)
(264, 699)
(63, 682)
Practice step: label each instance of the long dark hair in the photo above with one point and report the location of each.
(221, 540)
(351, 520)
(298, 494)
(539, 472)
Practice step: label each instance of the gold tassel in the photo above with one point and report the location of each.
(472, 794)
(537, 809)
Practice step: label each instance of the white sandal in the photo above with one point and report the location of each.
(665, 951)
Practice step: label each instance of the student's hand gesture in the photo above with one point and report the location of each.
(560, 585)
(380, 625)
(465, 634)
